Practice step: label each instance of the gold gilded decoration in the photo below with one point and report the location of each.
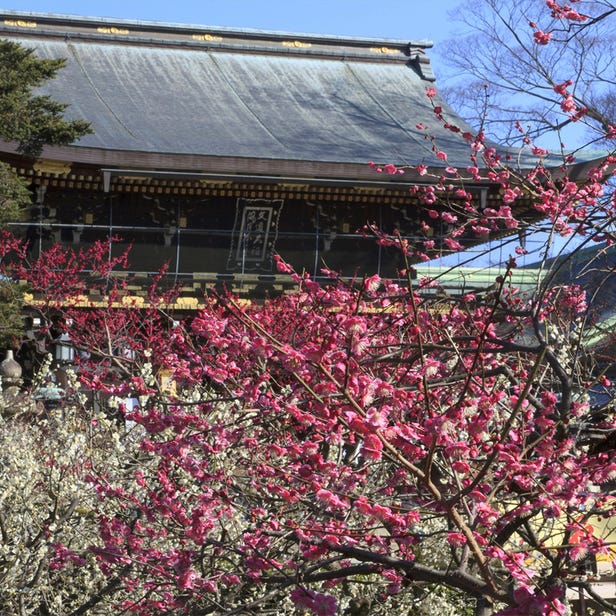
(132, 301)
(383, 50)
(296, 44)
(187, 303)
(216, 183)
(20, 23)
(56, 167)
(134, 178)
(112, 30)
(291, 186)
(370, 190)
(206, 37)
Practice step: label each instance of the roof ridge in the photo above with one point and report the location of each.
(31, 19)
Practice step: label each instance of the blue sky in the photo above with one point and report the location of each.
(398, 19)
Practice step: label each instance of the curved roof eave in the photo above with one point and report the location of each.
(200, 165)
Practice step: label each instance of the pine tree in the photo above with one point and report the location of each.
(32, 121)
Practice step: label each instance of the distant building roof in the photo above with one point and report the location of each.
(188, 92)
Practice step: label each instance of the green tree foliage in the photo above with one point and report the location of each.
(14, 195)
(11, 322)
(29, 119)
(32, 121)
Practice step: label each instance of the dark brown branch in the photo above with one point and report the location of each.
(421, 573)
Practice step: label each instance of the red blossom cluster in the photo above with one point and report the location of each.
(565, 11)
(337, 435)
(311, 439)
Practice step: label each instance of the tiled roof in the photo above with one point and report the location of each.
(191, 90)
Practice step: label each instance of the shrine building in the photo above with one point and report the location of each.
(214, 148)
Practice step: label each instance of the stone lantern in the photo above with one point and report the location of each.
(10, 373)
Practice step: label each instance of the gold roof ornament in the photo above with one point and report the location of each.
(206, 37)
(20, 23)
(54, 167)
(296, 44)
(112, 30)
